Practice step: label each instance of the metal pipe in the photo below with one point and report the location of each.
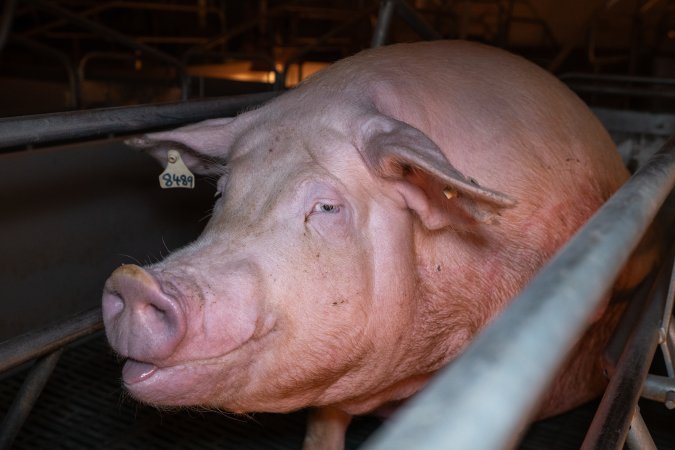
(526, 345)
(297, 57)
(229, 34)
(100, 55)
(660, 389)
(668, 346)
(7, 19)
(383, 23)
(73, 79)
(113, 35)
(625, 327)
(620, 90)
(34, 344)
(26, 397)
(667, 331)
(615, 78)
(610, 424)
(636, 121)
(638, 435)
(129, 5)
(43, 128)
(416, 22)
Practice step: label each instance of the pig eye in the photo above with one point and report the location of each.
(217, 195)
(326, 208)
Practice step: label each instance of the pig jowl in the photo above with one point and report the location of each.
(370, 222)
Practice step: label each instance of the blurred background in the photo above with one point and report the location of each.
(57, 55)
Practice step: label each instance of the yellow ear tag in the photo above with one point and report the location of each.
(176, 174)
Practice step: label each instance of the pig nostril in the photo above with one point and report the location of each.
(113, 303)
(157, 310)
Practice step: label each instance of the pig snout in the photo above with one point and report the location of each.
(142, 322)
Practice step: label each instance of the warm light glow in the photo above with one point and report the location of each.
(242, 71)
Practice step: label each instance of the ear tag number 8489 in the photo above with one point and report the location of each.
(176, 174)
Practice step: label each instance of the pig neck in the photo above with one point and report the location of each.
(454, 269)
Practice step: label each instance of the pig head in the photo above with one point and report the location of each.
(368, 224)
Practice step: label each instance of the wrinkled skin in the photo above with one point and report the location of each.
(371, 222)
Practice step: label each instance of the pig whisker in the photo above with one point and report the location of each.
(132, 258)
(207, 216)
(165, 246)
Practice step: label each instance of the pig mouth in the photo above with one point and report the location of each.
(135, 371)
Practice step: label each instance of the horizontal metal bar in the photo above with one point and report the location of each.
(660, 389)
(34, 344)
(106, 32)
(486, 398)
(43, 128)
(610, 425)
(622, 90)
(608, 78)
(636, 121)
(26, 397)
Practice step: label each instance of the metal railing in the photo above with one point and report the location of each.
(92, 123)
(488, 396)
(46, 345)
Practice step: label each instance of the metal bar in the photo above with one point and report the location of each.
(627, 324)
(73, 79)
(660, 389)
(297, 57)
(668, 348)
(115, 36)
(383, 23)
(636, 121)
(620, 90)
(105, 32)
(668, 329)
(416, 22)
(26, 397)
(34, 344)
(229, 34)
(42, 128)
(611, 421)
(526, 345)
(100, 55)
(616, 78)
(128, 5)
(7, 20)
(638, 435)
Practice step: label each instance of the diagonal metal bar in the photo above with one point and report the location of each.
(638, 435)
(524, 347)
(26, 397)
(34, 344)
(116, 36)
(610, 425)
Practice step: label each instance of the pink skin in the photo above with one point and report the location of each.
(335, 271)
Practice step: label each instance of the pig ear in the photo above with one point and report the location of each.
(203, 146)
(439, 193)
